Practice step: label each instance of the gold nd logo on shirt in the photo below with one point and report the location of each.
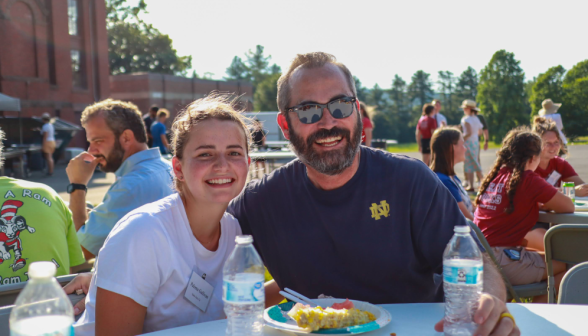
(380, 210)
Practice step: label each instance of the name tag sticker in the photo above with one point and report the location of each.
(199, 292)
(553, 178)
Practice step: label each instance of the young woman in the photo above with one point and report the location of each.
(471, 126)
(553, 168)
(447, 150)
(148, 259)
(368, 126)
(48, 132)
(424, 131)
(508, 207)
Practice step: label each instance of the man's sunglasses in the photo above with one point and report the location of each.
(339, 108)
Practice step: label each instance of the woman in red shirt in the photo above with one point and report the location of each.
(553, 168)
(368, 127)
(508, 207)
(424, 132)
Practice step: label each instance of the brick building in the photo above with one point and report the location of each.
(172, 92)
(54, 56)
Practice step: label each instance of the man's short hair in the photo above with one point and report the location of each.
(119, 116)
(308, 61)
(154, 108)
(162, 112)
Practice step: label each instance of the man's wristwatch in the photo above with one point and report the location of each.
(75, 186)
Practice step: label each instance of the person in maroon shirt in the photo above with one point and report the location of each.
(553, 168)
(508, 207)
(424, 132)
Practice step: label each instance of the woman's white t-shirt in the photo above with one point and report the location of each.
(558, 122)
(475, 125)
(149, 256)
(50, 130)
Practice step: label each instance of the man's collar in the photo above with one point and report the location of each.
(133, 160)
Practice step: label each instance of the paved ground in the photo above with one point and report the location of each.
(100, 182)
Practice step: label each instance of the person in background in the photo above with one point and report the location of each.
(549, 111)
(554, 170)
(48, 147)
(508, 207)
(440, 118)
(148, 119)
(159, 132)
(471, 127)
(424, 131)
(258, 138)
(447, 150)
(145, 264)
(35, 225)
(486, 134)
(368, 126)
(118, 144)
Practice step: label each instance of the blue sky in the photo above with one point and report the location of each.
(377, 39)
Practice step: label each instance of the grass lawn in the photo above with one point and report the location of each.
(579, 141)
(412, 147)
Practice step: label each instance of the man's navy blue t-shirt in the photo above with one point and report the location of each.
(379, 238)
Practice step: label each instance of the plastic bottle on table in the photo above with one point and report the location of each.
(463, 269)
(243, 291)
(42, 308)
(569, 189)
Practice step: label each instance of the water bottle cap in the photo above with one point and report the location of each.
(461, 229)
(247, 239)
(42, 269)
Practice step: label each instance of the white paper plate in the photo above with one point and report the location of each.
(581, 205)
(277, 318)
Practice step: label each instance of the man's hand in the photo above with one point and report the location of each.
(486, 145)
(582, 190)
(81, 168)
(80, 282)
(488, 318)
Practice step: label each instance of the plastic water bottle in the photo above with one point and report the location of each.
(42, 308)
(243, 291)
(463, 270)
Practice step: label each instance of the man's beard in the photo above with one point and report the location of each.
(114, 159)
(332, 162)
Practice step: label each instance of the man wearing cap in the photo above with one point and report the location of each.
(549, 111)
(48, 147)
(440, 118)
(35, 225)
(118, 144)
(349, 221)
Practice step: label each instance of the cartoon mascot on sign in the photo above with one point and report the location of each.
(10, 227)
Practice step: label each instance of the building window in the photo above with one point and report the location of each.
(72, 12)
(77, 69)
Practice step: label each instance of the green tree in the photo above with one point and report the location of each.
(256, 68)
(547, 85)
(575, 87)
(467, 85)
(266, 93)
(362, 92)
(238, 70)
(420, 88)
(501, 94)
(136, 46)
(447, 84)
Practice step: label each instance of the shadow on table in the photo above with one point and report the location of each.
(539, 324)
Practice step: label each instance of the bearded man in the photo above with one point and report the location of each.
(118, 144)
(350, 221)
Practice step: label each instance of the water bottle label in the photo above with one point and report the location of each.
(463, 275)
(247, 290)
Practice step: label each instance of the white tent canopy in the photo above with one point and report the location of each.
(8, 103)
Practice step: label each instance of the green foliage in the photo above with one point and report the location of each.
(361, 90)
(136, 46)
(266, 92)
(547, 85)
(467, 85)
(420, 88)
(449, 101)
(255, 69)
(501, 94)
(575, 87)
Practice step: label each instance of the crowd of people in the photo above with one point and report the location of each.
(344, 206)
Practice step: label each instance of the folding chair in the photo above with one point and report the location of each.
(566, 243)
(514, 292)
(574, 286)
